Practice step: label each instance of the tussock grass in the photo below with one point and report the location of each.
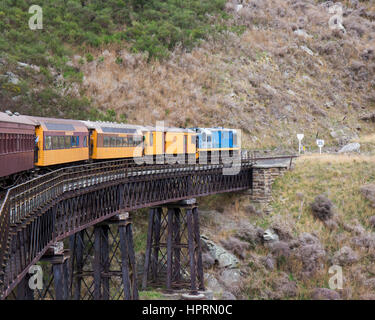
(339, 177)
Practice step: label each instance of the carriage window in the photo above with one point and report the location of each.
(192, 140)
(48, 143)
(61, 142)
(106, 141)
(151, 139)
(130, 141)
(68, 142)
(234, 138)
(208, 138)
(75, 141)
(113, 142)
(55, 142)
(124, 141)
(118, 142)
(84, 141)
(1, 143)
(204, 136)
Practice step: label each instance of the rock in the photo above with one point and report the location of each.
(345, 256)
(302, 33)
(231, 279)
(199, 296)
(31, 66)
(372, 221)
(76, 58)
(228, 296)
(270, 236)
(212, 284)
(307, 50)
(368, 191)
(343, 135)
(368, 117)
(12, 78)
(324, 294)
(351, 147)
(208, 260)
(239, 7)
(222, 257)
(322, 208)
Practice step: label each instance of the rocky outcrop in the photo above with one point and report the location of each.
(351, 147)
(222, 257)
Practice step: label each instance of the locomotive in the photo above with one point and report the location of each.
(30, 144)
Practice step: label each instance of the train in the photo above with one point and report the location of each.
(30, 144)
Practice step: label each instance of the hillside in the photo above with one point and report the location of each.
(272, 68)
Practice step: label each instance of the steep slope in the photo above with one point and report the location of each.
(285, 71)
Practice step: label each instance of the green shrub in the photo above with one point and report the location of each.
(89, 57)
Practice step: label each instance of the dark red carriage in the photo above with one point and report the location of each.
(17, 140)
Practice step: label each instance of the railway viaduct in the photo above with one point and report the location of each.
(88, 207)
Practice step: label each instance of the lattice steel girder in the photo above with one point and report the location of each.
(77, 210)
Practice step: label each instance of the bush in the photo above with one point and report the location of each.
(322, 208)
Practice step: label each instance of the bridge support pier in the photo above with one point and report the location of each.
(58, 276)
(24, 292)
(112, 273)
(173, 251)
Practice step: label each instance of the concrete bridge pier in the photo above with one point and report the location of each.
(173, 251)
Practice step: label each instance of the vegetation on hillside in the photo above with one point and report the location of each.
(50, 84)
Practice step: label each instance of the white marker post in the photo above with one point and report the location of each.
(299, 137)
(320, 144)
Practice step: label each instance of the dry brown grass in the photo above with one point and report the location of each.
(261, 81)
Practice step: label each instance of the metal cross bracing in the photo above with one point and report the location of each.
(103, 263)
(40, 212)
(173, 250)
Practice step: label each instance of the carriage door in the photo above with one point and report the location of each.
(91, 143)
(230, 139)
(164, 134)
(36, 148)
(185, 143)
